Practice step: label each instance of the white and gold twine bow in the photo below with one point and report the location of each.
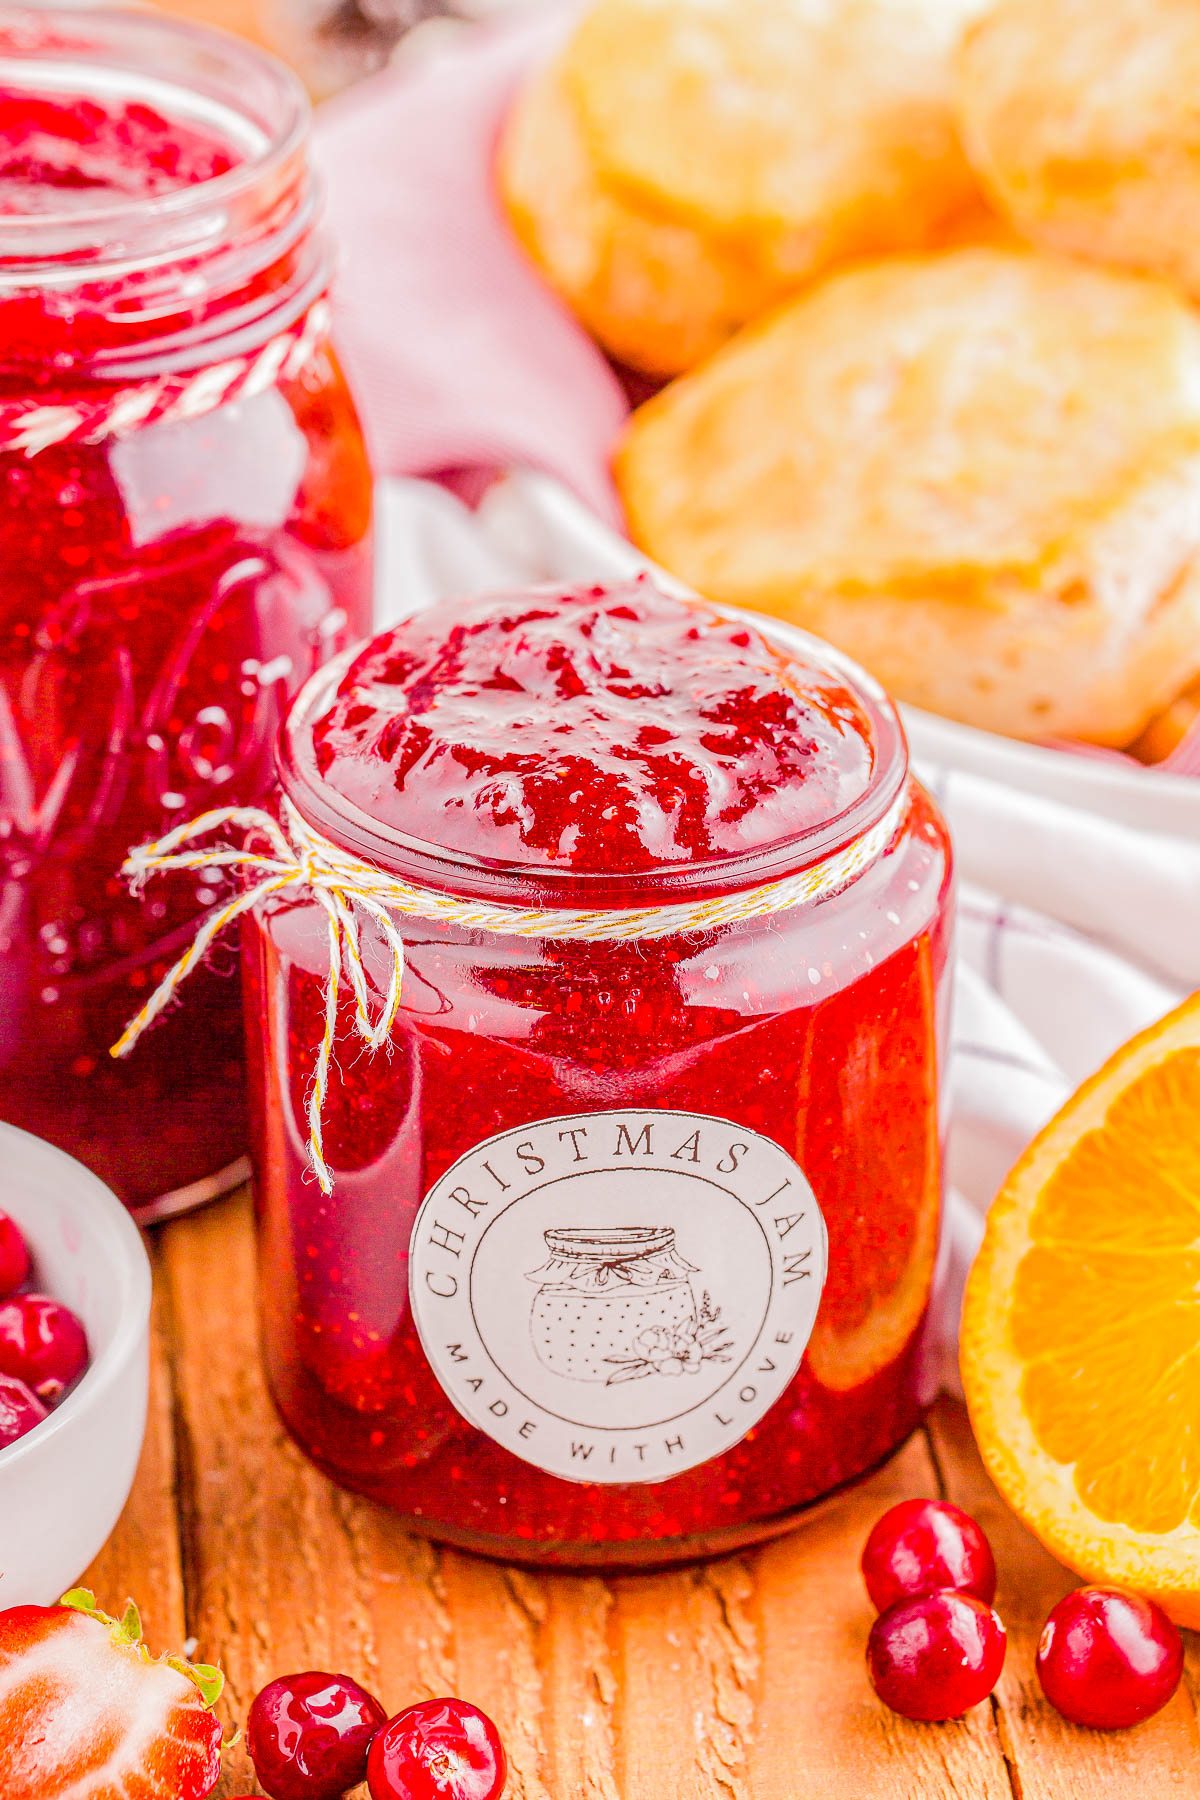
(300, 857)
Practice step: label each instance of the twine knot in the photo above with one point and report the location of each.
(299, 857)
(350, 891)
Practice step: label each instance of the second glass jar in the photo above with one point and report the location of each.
(587, 1200)
(184, 537)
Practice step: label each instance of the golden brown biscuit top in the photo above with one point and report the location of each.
(1063, 98)
(767, 112)
(926, 424)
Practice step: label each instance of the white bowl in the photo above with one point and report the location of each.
(1148, 799)
(63, 1485)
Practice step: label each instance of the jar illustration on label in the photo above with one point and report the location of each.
(617, 1303)
(603, 1350)
(674, 927)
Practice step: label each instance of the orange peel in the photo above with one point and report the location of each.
(1080, 1343)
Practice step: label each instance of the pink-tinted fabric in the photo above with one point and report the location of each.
(1185, 758)
(462, 361)
(459, 356)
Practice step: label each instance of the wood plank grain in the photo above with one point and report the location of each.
(742, 1679)
(1051, 1759)
(820, 1730)
(142, 1559)
(497, 1616)
(284, 1571)
(689, 1662)
(532, 1651)
(271, 1578)
(604, 1690)
(582, 1753)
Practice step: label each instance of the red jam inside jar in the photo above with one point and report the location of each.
(184, 538)
(630, 1241)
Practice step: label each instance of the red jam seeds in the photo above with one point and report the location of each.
(605, 749)
(163, 588)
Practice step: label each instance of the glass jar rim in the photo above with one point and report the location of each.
(84, 243)
(459, 873)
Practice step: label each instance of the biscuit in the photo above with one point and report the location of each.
(1082, 123)
(978, 472)
(688, 162)
(1167, 729)
(978, 224)
(655, 292)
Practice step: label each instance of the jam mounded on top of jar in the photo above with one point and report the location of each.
(593, 749)
(605, 730)
(166, 581)
(63, 150)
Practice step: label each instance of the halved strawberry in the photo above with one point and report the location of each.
(87, 1714)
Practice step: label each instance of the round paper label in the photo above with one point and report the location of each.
(618, 1296)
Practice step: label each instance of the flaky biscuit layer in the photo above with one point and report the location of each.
(657, 293)
(978, 472)
(1082, 119)
(796, 120)
(687, 163)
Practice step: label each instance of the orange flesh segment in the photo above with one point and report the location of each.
(1105, 1311)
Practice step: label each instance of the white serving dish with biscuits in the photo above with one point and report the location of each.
(925, 302)
(1146, 799)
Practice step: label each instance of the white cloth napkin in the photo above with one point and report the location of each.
(1078, 925)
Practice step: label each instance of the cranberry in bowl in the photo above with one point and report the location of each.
(619, 1248)
(64, 1481)
(184, 537)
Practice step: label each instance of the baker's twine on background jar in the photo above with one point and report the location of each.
(350, 891)
(115, 411)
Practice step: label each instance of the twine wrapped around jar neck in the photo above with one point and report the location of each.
(350, 891)
(109, 410)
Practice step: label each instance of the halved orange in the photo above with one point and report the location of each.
(1081, 1327)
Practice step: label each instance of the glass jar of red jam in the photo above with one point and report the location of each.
(184, 538)
(631, 1224)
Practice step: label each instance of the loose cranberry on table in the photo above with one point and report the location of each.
(14, 1256)
(1108, 1659)
(936, 1656)
(20, 1410)
(438, 1750)
(922, 1546)
(308, 1735)
(43, 1343)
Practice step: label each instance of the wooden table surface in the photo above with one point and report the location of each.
(739, 1680)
